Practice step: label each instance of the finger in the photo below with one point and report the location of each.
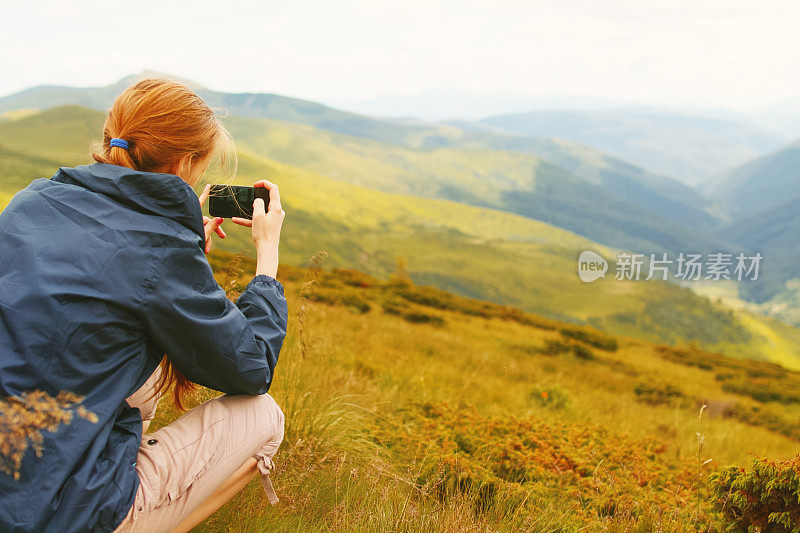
(242, 221)
(220, 232)
(211, 227)
(208, 246)
(258, 208)
(204, 195)
(274, 201)
(274, 194)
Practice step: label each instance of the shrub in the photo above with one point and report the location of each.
(764, 416)
(336, 296)
(555, 347)
(417, 317)
(356, 302)
(767, 496)
(436, 298)
(393, 308)
(657, 394)
(592, 338)
(439, 299)
(506, 464)
(760, 380)
(760, 388)
(690, 357)
(582, 352)
(353, 278)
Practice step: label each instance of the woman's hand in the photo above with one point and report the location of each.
(266, 226)
(211, 225)
(266, 229)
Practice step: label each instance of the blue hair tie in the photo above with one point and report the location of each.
(119, 143)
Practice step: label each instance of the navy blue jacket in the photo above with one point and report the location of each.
(102, 272)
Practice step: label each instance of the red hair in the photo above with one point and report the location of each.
(168, 128)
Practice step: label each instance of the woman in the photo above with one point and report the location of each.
(102, 273)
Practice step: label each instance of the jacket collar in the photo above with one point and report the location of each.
(166, 195)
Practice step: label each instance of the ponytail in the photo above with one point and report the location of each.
(164, 123)
(118, 156)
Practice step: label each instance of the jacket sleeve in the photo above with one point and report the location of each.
(226, 347)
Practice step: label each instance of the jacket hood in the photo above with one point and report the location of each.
(166, 195)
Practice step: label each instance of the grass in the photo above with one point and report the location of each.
(484, 420)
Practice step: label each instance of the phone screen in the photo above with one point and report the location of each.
(229, 201)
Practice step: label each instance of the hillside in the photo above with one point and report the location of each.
(517, 182)
(775, 233)
(766, 195)
(410, 409)
(476, 252)
(690, 148)
(631, 208)
(760, 184)
(255, 105)
(99, 98)
(619, 179)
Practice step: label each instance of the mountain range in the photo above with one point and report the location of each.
(690, 148)
(568, 184)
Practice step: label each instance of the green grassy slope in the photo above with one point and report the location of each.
(478, 252)
(520, 183)
(663, 195)
(61, 134)
(410, 409)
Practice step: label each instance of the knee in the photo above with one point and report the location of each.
(256, 415)
(273, 418)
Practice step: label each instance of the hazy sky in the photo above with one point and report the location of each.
(706, 53)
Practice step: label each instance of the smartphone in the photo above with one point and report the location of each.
(229, 201)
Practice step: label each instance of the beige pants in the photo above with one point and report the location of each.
(182, 464)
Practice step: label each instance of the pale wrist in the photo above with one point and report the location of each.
(267, 258)
(266, 244)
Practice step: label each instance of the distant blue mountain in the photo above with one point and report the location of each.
(690, 148)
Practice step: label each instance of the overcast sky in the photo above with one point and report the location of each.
(735, 54)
